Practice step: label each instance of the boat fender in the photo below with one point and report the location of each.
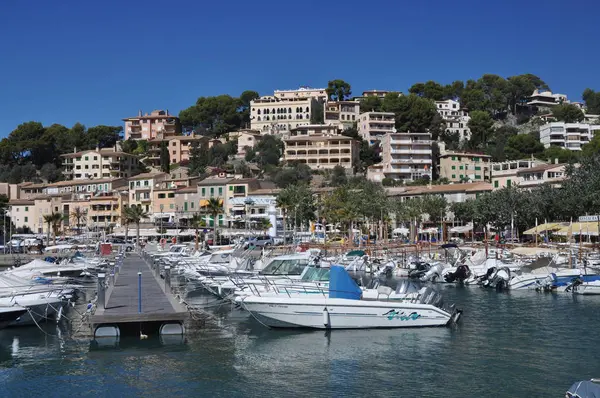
(59, 315)
(326, 317)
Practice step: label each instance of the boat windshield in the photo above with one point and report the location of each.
(315, 274)
(285, 267)
(220, 258)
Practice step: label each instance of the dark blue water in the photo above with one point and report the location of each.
(507, 345)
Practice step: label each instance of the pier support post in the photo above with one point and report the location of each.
(168, 278)
(101, 292)
(140, 292)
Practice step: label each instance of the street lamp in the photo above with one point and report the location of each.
(161, 221)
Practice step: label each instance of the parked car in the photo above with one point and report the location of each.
(259, 241)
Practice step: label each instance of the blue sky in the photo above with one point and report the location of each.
(99, 61)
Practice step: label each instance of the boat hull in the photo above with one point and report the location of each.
(343, 314)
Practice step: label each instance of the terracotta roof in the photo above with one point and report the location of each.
(147, 175)
(542, 167)
(187, 190)
(319, 138)
(19, 202)
(214, 181)
(476, 155)
(101, 152)
(439, 189)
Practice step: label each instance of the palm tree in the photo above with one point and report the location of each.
(197, 222)
(78, 214)
(264, 225)
(214, 206)
(53, 220)
(135, 214)
(126, 220)
(287, 200)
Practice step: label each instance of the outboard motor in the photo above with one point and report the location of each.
(419, 270)
(405, 286)
(573, 285)
(548, 284)
(434, 274)
(501, 279)
(461, 274)
(484, 280)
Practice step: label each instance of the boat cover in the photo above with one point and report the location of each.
(341, 284)
(584, 389)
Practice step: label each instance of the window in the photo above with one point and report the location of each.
(95, 157)
(453, 157)
(453, 175)
(203, 191)
(453, 167)
(131, 184)
(496, 184)
(26, 208)
(192, 205)
(146, 183)
(174, 152)
(461, 167)
(174, 143)
(508, 183)
(137, 183)
(161, 195)
(220, 191)
(78, 158)
(212, 192)
(461, 176)
(171, 195)
(477, 168)
(26, 219)
(171, 206)
(478, 177)
(86, 158)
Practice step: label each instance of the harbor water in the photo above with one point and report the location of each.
(507, 345)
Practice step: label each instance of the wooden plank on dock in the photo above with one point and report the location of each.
(123, 298)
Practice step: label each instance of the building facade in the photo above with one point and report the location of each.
(456, 118)
(342, 113)
(570, 136)
(179, 148)
(302, 93)
(506, 174)
(553, 174)
(99, 163)
(463, 167)
(149, 126)
(322, 151)
(546, 99)
(272, 115)
(374, 125)
(405, 156)
(142, 187)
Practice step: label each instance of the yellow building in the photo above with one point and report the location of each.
(464, 167)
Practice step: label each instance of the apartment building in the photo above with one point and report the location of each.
(342, 113)
(315, 129)
(570, 136)
(105, 210)
(463, 167)
(179, 147)
(273, 115)
(546, 99)
(373, 125)
(245, 139)
(322, 151)
(149, 126)
(23, 215)
(142, 187)
(376, 93)
(405, 156)
(552, 174)
(506, 174)
(99, 163)
(453, 193)
(302, 93)
(456, 118)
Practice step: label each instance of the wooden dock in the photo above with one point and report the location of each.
(122, 300)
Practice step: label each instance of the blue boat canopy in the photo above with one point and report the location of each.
(341, 284)
(584, 389)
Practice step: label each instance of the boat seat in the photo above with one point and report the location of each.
(384, 291)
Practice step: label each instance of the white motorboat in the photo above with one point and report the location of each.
(11, 314)
(344, 308)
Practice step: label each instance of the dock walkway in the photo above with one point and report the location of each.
(122, 299)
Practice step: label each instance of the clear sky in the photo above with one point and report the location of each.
(99, 61)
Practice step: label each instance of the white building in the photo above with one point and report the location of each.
(456, 118)
(301, 93)
(374, 125)
(546, 99)
(570, 136)
(342, 113)
(273, 115)
(507, 173)
(405, 156)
